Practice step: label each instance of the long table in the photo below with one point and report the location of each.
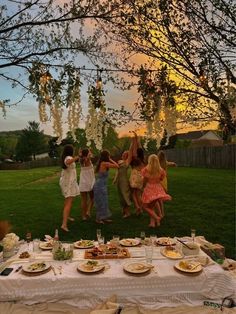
(163, 286)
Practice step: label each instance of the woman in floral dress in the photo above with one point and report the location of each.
(68, 183)
(103, 213)
(154, 193)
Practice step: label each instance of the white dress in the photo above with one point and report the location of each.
(86, 179)
(68, 180)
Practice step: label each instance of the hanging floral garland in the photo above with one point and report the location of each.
(53, 94)
(157, 107)
(96, 124)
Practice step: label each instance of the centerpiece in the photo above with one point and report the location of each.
(9, 244)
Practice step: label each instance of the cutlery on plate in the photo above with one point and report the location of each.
(53, 269)
(18, 269)
(195, 266)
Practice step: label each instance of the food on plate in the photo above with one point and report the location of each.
(185, 265)
(84, 243)
(107, 251)
(165, 241)
(129, 242)
(90, 265)
(170, 252)
(46, 245)
(37, 266)
(24, 255)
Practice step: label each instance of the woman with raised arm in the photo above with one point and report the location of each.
(103, 213)
(122, 180)
(86, 183)
(68, 182)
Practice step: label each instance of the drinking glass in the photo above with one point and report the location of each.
(28, 238)
(153, 238)
(36, 243)
(193, 234)
(149, 253)
(116, 239)
(142, 236)
(99, 234)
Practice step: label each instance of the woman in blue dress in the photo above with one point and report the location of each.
(100, 187)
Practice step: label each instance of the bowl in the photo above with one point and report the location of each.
(192, 250)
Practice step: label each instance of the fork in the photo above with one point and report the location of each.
(54, 271)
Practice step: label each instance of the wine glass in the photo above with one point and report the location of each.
(28, 238)
(99, 234)
(193, 234)
(142, 236)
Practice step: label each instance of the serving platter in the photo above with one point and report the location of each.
(106, 252)
(129, 242)
(165, 241)
(84, 244)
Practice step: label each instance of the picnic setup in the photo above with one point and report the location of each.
(117, 156)
(152, 272)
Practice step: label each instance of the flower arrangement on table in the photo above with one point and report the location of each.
(9, 242)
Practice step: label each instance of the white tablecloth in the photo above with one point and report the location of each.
(164, 286)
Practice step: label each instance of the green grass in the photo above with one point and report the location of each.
(202, 199)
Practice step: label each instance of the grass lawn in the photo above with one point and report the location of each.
(202, 199)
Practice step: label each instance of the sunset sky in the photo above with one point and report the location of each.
(17, 117)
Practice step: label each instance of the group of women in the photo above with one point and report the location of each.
(146, 186)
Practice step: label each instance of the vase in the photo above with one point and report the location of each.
(8, 253)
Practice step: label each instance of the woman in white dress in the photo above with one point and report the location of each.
(68, 182)
(86, 183)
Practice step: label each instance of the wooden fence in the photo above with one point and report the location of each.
(220, 157)
(44, 162)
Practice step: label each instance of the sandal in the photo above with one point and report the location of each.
(65, 229)
(71, 219)
(107, 221)
(100, 222)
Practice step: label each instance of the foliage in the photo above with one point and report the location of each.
(197, 40)
(31, 142)
(200, 208)
(46, 41)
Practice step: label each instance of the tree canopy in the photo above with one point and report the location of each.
(49, 41)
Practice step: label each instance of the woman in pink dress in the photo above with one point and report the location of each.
(153, 193)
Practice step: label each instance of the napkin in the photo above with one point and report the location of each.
(48, 238)
(108, 307)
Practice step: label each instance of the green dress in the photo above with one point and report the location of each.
(123, 185)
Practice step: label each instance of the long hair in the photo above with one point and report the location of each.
(84, 154)
(162, 159)
(153, 165)
(104, 156)
(140, 154)
(67, 151)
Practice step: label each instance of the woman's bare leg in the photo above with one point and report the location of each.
(91, 202)
(84, 204)
(66, 212)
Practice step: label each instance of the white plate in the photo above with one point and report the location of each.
(84, 244)
(36, 267)
(197, 267)
(129, 242)
(85, 268)
(171, 254)
(45, 246)
(165, 241)
(137, 267)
